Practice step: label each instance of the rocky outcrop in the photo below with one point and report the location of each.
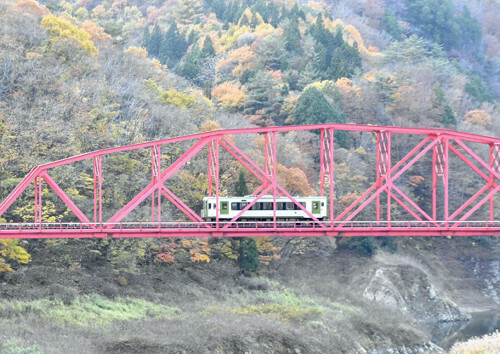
(409, 290)
(489, 272)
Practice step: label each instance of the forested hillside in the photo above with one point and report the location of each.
(82, 75)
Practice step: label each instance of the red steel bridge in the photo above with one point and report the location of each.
(385, 208)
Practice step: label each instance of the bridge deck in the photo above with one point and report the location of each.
(249, 228)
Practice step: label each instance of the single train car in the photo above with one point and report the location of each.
(229, 207)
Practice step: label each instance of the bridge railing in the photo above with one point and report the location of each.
(243, 225)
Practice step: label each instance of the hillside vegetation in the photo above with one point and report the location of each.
(78, 76)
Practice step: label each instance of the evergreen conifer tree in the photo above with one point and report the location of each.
(218, 7)
(263, 95)
(307, 76)
(262, 8)
(248, 257)
(313, 108)
(436, 19)
(470, 29)
(208, 48)
(146, 38)
(292, 35)
(391, 25)
(190, 65)
(173, 46)
(241, 187)
(274, 14)
(192, 38)
(448, 117)
(155, 42)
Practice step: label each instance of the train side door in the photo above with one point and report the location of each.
(316, 207)
(224, 207)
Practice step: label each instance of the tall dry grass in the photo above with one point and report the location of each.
(488, 344)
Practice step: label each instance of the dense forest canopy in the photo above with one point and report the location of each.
(77, 76)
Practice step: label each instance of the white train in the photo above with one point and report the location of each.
(229, 207)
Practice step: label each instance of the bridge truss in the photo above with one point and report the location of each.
(385, 208)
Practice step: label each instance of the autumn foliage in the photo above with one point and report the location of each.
(229, 95)
(62, 28)
(11, 251)
(478, 117)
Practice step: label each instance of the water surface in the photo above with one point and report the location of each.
(481, 323)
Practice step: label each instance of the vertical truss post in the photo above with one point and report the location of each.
(330, 173)
(434, 182)
(495, 166)
(378, 182)
(275, 177)
(388, 177)
(216, 175)
(98, 188)
(38, 199)
(211, 167)
(267, 168)
(446, 180)
(327, 165)
(271, 166)
(383, 169)
(322, 163)
(155, 176)
(441, 168)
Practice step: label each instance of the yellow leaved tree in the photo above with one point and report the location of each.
(229, 95)
(478, 117)
(60, 28)
(11, 251)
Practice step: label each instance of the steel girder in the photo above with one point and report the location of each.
(389, 169)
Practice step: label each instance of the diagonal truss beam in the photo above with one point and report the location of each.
(174, 167)
(385, 186)
(256, 170)
(65, 198)
(180, 204)
(34, 173)
(494, 174)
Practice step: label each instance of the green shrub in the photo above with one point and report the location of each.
(284, 313)
(364, 246)
(15, 346)
(87, 311)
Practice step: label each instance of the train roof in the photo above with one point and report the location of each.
(266, 197)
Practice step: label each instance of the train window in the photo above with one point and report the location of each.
(268, 206)
(224, 206)
(235, 206)
(209, 205)
(322, 204)
(315, 206)
(243, 206)
(301, 203)
(290, 206)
